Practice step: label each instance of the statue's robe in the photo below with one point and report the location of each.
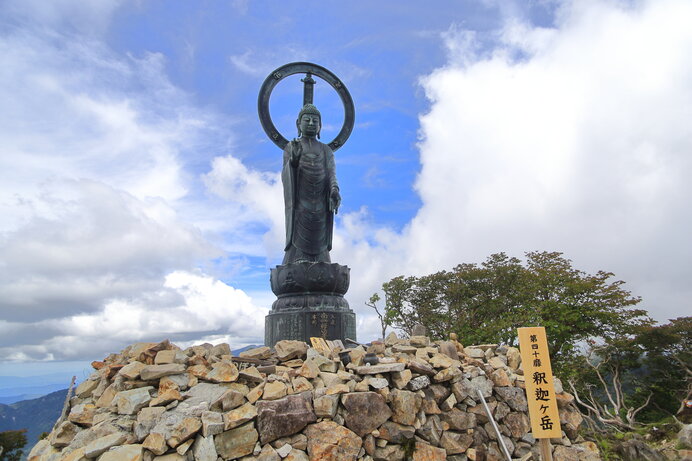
(307, 185)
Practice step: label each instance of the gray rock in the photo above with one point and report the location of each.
(636, 450)
(236, 442)
(284, 450)
(557, 385)
(420, 367)
(85, 388)
(395, 432)
(449, 349)
(469, 388)
(419, 330)
(212, 423)
(63, 434)
(268, 453)
(178, 381)
(474, 352)
(419, 341)
(405, 406)
(203, 394)
(290, 349)
(483, 384)
(130, 402)
(123, 453)
(455, 442)
(146, 420)
(329, 441)
(685, 436)
(365, 411)
(325, 406)
(219, 350)
(151, 372)
(297, 455)
(282, 417)
(418, 383)
(204, 449)
(102, 444)
(380, 368)
(513, 357)
(431, 431)
(438, 392)
(514, 397)
(459, 420)
(517, 424)
(378, 383)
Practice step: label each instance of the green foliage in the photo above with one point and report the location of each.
(37, 415)
(488, 302)
(12, 443)
(409, 446)
(644, 377)
(605, 447)
(666, 366)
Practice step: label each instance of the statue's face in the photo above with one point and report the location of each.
(309, 124)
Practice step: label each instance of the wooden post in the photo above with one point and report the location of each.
(546, 451)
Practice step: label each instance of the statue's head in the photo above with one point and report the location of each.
(309, 121)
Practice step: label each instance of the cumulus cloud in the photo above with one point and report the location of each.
(104, 225)
(573, 138)
(187, 308)
(258, 196)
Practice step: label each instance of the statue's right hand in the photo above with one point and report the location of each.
(296, 151)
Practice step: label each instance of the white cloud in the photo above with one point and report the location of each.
(573, 139)
(188, 308)
(104, 223)
(84, 242)
(258, 194)
(90, 18)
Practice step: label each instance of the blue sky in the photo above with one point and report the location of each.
(141, 199)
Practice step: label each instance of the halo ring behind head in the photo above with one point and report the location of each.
(303, 68)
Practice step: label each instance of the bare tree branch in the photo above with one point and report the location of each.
(632, 413)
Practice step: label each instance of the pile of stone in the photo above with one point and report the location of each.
(393, 400)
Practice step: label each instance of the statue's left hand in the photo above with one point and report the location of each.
(334, 200)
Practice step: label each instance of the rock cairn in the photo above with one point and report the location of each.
(393, 400)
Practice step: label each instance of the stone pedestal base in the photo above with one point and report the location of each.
(310, 303)
(304, 324)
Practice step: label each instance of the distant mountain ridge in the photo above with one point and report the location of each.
(15, 395)
(35, 415)
(17, 388)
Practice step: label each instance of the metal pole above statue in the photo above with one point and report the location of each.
(309, 287)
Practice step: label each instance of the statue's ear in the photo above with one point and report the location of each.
(298, 127)
(319, 129)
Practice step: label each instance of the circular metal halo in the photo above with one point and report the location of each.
(303, 68)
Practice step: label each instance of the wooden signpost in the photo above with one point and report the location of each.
(540, 391)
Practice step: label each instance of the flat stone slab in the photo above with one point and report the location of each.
(151, 372)
(380, 368)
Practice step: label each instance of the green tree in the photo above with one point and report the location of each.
(639, 378)
(608, 389)
(488, 302)
(11, 444)
(666, 365)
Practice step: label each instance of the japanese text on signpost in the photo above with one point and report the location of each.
(545, 420)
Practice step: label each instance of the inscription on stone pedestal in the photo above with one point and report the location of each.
(289, 326)
(302, 325)
(325, 325)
